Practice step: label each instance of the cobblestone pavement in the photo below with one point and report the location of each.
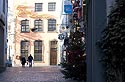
(34, 74)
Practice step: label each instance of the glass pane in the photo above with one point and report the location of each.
(38, 50)
(37, 57)
(51, 24)
(25, 26)
(38, 6)
(38, 25)
(51, 6)
(38, 45)
(27, 22)
(24, 48)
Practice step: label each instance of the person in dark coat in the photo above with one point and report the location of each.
(23, 61)
(30, 60)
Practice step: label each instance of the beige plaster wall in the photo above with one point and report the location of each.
(24, 9)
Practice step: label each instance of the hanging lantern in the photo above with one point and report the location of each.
(67, 27)
(63, 28)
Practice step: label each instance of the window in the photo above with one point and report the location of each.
(51, 25)
(38, 7)
(38, 24)
(24, 48)
(52, 6)
(38, 50)
(25, 26)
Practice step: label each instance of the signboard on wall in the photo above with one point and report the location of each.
(68, 7)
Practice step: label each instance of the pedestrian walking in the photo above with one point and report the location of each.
(23, 61)
(30, 60)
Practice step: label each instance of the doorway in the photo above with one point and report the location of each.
(53, 52)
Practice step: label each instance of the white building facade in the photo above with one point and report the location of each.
(3, 33)
(36, 31)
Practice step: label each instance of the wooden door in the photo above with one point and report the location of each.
(53, 53)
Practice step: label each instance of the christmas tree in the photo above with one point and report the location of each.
(75, 65)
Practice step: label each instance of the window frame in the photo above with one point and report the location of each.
(24, 48)
(51, 24)
(25, 26)
(38, 25)
(38, 50)
(38, 7)
(52, 6)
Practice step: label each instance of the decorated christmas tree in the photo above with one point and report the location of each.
(75, 65)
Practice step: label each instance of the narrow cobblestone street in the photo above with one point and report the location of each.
(34, 74)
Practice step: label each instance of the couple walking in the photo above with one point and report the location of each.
(30, 60)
